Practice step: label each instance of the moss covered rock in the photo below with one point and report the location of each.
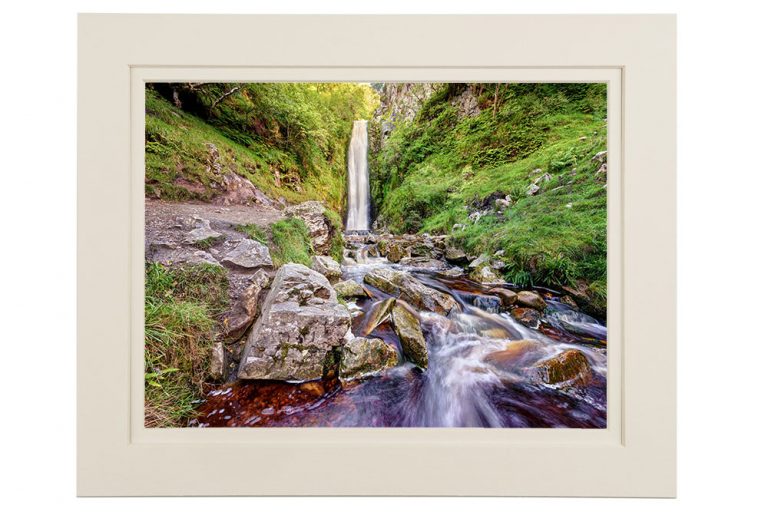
(361, 357)
(408, 329)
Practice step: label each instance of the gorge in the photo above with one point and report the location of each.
(463, 289)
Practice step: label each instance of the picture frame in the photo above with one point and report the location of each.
(634, 456)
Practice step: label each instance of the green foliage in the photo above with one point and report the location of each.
(288, 139)
(254, 232)
(337, 229)
(291, 241)
(180, 309)
(436, 170)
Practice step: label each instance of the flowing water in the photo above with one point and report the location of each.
(358, 192)
(466, 384)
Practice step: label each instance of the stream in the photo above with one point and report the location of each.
(466, 384)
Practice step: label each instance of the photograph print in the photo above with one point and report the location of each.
(375, 255)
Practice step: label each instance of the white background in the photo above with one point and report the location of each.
(723, 162)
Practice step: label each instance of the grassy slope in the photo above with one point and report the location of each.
(439, 168)
(289, 140)
(180, 309)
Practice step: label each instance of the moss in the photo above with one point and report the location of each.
(254, 232)
(291, 241)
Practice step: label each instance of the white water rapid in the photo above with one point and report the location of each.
(358, 196)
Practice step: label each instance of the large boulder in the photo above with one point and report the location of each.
(570, 368)
(237, 320)
(408, 329)
(248, 254)
(318, 224)
(411, 290)
(361, 357)
(349, 289)
(531, 300)
(327, 266)
(300, 327)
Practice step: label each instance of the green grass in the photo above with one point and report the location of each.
(254, 232)
(336, 250)
(291, 242)
(436, 170)
(180, 310)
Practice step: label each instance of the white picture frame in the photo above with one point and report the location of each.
(634, 456)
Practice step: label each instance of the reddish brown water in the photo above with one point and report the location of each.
(460, 389)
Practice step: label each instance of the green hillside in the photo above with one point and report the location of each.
(435, 171)
(289, 140)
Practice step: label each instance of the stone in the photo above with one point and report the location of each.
(397, 252)
(327, 266)
(411, 290)
(568, 301)
(486, 275)
(543, 178)
(408, 329)
(531, 300)
(527, 316)
(349, 289)
(201, 232)
(508, 297)
(455, 256)
(300, 329)
(424, 262)
(363, 357)
(480, 261)
(601, 157)
(319, 226)
(517, 354)
(237, 320)
(377, 315)
(567, 368)
(533, 189)
(217, 361)
(248, 254)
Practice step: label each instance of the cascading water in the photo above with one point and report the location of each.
(469, 383)
(358, 196)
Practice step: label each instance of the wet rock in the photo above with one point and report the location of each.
(327, 266)
(217, 361)
(451, 272)
(237, 320)
(320, 228)
(527, 316)
(570, 368)
(248, 254)
(456, 256)
(531, 300)
(516, 355)
(348, 289)
(362, 357)
(486, 275)
(408, 329)
(568, 301)
(201, 232)
(422, 249)
(377, 315)
(424, 262)
(411, 290)
(397, 252)
(300, 326)
(508, 297)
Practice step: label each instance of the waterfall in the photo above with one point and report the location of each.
(358, 196)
